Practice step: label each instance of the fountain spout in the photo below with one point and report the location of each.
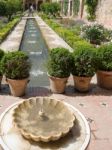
(41, 113)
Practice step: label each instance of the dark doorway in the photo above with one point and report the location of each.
(39, 4)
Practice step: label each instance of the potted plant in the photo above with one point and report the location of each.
(58, 67)
(16, 67)
(104, 62)
(96, 33)
(1, 56)
(83, 67)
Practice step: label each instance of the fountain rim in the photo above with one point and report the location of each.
(88, 134)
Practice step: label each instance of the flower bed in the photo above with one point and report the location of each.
(67, 34)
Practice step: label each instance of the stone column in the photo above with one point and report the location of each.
(68, 12)
(63, 7)
(81, 8)
(72, 9)
(61, 3)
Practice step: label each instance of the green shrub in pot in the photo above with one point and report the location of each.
(59, 67)
(96, 33)
(59, 63)
(83, 67)
(16, 67)
(104, 63)
(1, 56)
(1, 74)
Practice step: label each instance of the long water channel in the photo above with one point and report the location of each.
(34, 45)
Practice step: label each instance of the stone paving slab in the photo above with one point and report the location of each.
(96, 105)
(52, 38)
(13, 40)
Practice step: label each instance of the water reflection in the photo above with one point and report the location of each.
(35, 53)
(32, 42)
(36, 73)
(33, 35)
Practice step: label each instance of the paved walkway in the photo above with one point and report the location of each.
(104, 13)
(95, 105)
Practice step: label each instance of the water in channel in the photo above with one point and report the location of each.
(34, 45)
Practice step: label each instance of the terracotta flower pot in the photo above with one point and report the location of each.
(17, 87)
(104, 79)
(94, 42)
(82, 84)
(0, 81)
(57, 85)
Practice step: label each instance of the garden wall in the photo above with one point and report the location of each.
(104, 12)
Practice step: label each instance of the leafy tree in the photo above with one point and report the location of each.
(51, 8)
(2, 7)
(12, 7)
(91, 8)
(45, 8)
(9, 7)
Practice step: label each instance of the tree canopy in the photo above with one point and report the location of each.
(9, 7)
(51, 8)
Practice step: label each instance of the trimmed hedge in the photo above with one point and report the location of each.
(59, 62)
(84, 61)
(104, 57)
(6, 30)
(1, 56)
(16, 65)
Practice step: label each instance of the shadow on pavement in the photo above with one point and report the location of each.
(94, 91)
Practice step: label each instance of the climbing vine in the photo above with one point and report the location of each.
(76, 4)
(91, 8)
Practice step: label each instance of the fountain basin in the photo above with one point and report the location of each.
(11, 138)
(43, 119)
